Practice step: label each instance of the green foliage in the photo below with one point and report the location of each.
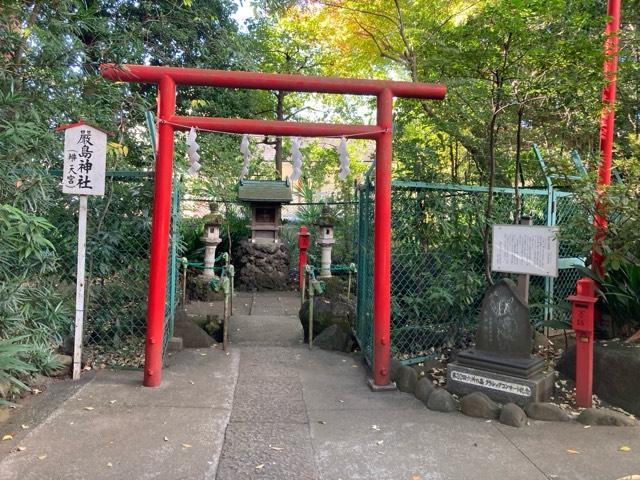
(620, 291)
(13, 367)
(30, 305)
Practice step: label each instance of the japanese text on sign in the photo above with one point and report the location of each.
(85, 151)
(525, 249)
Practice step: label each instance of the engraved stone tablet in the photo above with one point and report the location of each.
(503, 325)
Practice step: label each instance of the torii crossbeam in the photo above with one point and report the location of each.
(168, 77)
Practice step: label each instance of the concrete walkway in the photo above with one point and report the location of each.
(272, 409)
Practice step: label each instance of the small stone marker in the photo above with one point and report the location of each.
(501, 365)
(503, 326)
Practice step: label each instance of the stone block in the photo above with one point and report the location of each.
(499, 387)
(547, 412)
(175, 344)
(424, 389)
(512, 415)
(605, 417)
(406, 379)
(479, 405)
(615, 372)
(442, 401)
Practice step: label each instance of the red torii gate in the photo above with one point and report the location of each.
(168, 77)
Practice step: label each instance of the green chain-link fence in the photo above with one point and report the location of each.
(438, 274)
(117, 265)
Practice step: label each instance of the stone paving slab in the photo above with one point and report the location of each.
(274, 451)
(599, 457)
(265, 330)
(271, 399)
(90, 430)
(400, 443)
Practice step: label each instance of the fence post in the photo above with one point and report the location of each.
(185, 263)
(232, 273)
(225, 325)
(308, 271)
(352, 269)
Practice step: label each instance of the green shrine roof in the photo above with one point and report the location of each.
(264, 191)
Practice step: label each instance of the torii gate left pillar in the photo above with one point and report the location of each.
(168, 77)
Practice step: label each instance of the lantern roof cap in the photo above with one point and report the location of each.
(273, 191)
(326, 218)
(213, 217)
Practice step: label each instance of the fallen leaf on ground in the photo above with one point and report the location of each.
(112, 401)
(354, 366)
(109, 464)
(203, 354)
(375, 427)
(7, 437)
(322, 422)
(630, 477)
(572, 451)
(35, 391)
(380, 442)
(22, 449)
(587, 426)
(166, 439)
(416, 477)
(624, 448)
(42, 457)
(89, 408)
(24, 427)
(186, 445)
(277, 449)
(258, 467)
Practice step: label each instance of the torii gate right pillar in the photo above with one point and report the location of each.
(382, 242)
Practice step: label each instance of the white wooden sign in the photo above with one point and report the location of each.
(525, 249)
(85, 154)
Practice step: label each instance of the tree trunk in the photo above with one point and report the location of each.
(279, 156)
(518, 173)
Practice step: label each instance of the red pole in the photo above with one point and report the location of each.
(160, 236)
(582, 319)
(303, 245)
(607, 118)
(382, 243)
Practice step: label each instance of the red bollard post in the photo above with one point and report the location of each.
(582, 320)
(303, 245)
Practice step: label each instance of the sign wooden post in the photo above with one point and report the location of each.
(80, 279)
(523, 278)
(85, 154)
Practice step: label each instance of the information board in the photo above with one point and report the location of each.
(85, 154)
(525, 249)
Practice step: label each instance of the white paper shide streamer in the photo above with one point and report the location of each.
(343, 156)
(296, 159)
(192, 152)
(244, 149)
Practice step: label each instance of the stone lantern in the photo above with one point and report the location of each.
(325, 239)
(211, 238)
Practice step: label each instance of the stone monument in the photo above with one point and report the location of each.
(501, 363)
(211, 239)
(325, 239)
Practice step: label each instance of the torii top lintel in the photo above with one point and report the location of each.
(270, 81)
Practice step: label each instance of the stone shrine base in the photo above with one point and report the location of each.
(262, 266)
(500, 387)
